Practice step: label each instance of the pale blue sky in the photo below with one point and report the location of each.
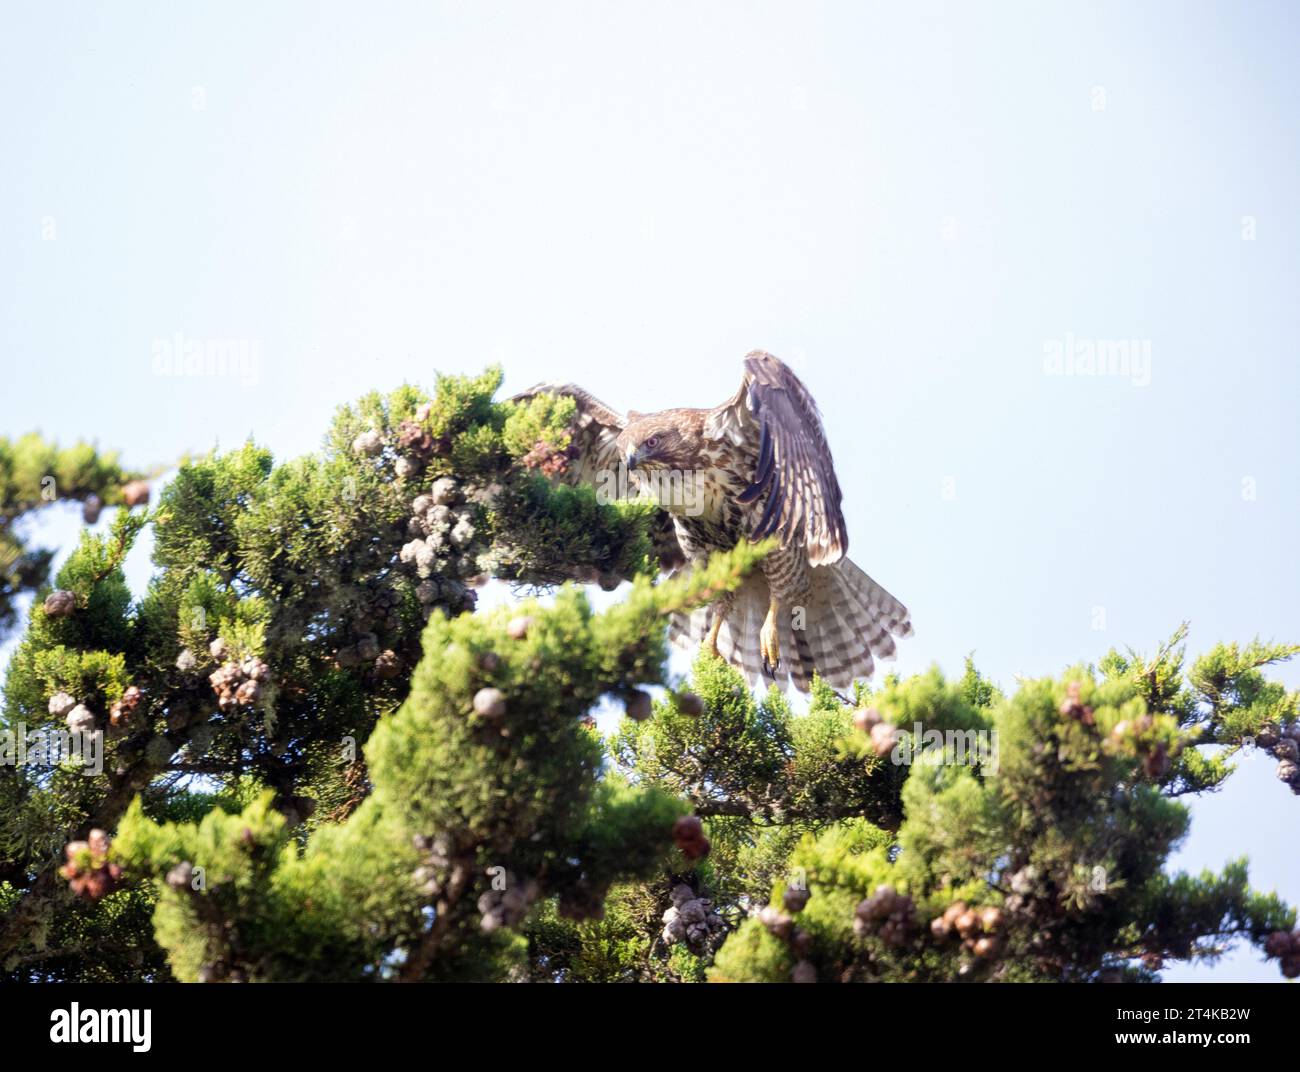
(908, 202)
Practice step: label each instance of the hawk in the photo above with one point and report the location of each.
(758, 465)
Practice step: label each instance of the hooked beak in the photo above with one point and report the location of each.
(633, 456)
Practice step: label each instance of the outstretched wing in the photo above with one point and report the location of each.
(595, 431)
(774, 410)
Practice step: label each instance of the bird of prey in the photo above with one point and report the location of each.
(757, 465)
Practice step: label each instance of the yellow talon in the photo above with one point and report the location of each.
(769, 640)
(712, 641)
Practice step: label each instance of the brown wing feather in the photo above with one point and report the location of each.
(774, 415)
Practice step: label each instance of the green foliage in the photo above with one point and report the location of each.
(34, 473)
(756, 759)
(532, 519)
(512, 794)
(296, 565)
(543, 419)
(1064, 833)
(394, 785)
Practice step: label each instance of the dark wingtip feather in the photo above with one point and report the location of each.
(771, 513)
(766, 455)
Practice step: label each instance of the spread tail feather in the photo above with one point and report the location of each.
(847, 623)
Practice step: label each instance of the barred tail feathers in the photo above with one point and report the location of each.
(848, 623)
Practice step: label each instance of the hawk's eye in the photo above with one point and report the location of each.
(652, 442)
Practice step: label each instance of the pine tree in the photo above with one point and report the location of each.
(321, 762)
(34, 473)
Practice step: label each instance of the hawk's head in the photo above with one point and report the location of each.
(653, 441)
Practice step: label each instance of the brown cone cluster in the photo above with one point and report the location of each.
(136, 493)
(121, 711)
(436, 852)
(887, 914)
(368, 444)
(1285, 946)
(1073, 708)
(884, 735)
(60, 604)
(979, 929)
(441, 529)
(865, 718)
(89, 873)
(1283, 744)
(237, 683)
(181, 876)
(1156, 757)
(79, 718)
(638, 705)
(387, 664)
(690, 705)
(441, 550)
(688, 836)
(366, 651)
(509, 906)
(384, 607)
(415, 443)
(795, 899)
(692, 921)
(548, 460)
(781, 926)
(415, 440)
